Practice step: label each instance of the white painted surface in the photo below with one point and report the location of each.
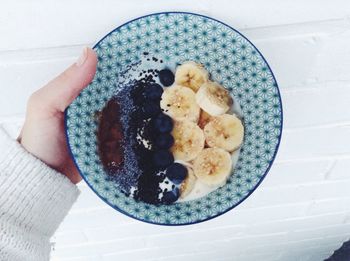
(300, 212)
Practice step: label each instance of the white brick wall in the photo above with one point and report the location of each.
(300, 212)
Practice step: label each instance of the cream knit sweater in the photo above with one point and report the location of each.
(34, 199)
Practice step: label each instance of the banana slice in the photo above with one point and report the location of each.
(204, 118)
(191, 75)
(213, 166)
(189, 140)
(179, 103)
(188, 184)
(214, 98)
(224, 131)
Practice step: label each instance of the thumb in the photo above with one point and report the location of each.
(61, 91)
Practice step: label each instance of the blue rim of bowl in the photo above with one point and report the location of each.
(239, 202)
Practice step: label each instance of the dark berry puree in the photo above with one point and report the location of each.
(110, 137)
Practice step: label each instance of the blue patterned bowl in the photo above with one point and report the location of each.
(231, 60)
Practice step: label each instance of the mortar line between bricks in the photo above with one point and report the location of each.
(201, 252)
(319, 228)
(79, 258)
(190, 230)
(312, 158)
(300, 203)
(308, 184)
(319, 126)
(48, 48)
(165, 247)
(305, 184)
(301, 160)
(302, 240)
(309, 217)
(176, 255)
(344, 19)
(313, 229)
(314, 86)
(102, 242)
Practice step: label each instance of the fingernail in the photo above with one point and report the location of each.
(81, 60)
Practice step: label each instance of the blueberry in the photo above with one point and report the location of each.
(137, 95)
(144, 158)
(171, 196)
(153, 91)
(150, 109)
(176, 172)
(166, 77)
(164, 141)
(163, 158)
(163, 123)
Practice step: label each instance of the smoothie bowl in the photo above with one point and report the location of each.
(181, 122)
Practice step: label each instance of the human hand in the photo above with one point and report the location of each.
(43, 133)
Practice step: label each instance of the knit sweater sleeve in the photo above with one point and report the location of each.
(34, 199)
